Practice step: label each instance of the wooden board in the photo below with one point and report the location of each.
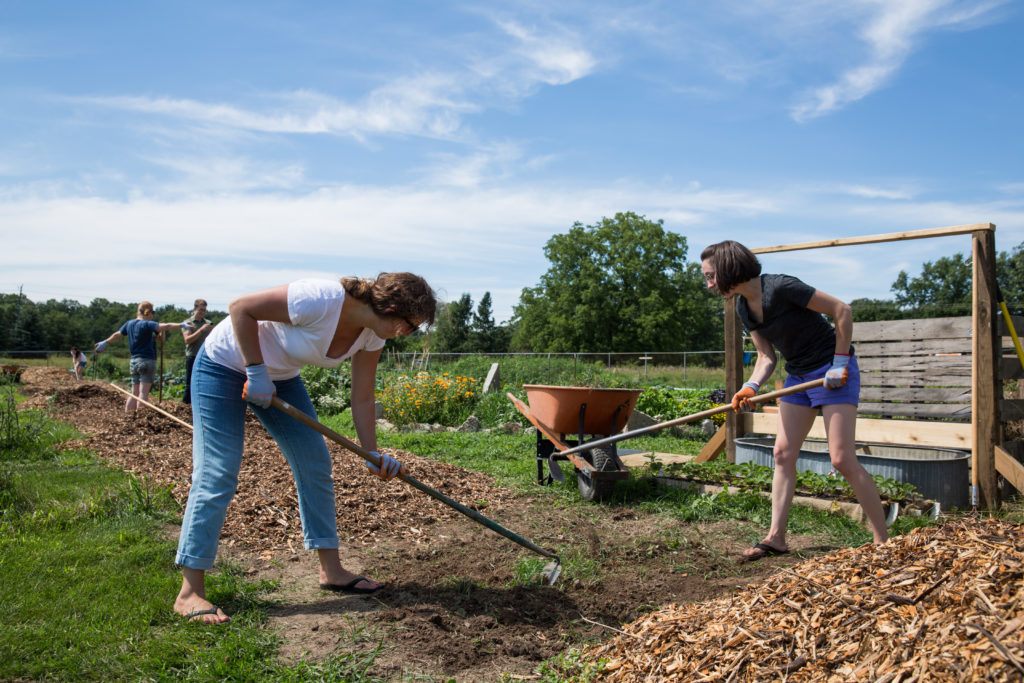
(918, 328)
(936, 365)
(909, 379)
(1010, 468)
(714, 447)
(906, 432)
(931, 395)
(917, 410)
(635, 460)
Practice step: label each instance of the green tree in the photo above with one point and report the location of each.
(944, 287)
(483, 329)
(622, 284)
(866, 310)
(452, 333)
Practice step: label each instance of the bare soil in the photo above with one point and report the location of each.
(452, 608)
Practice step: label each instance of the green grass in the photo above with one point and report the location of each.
(89, 582)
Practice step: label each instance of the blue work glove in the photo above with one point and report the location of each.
(389, 467)
(186, 326)
(258, 388)
(101, 346)
(838, 373)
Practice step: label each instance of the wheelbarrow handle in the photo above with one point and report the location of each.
(314, 424)
(760, 398)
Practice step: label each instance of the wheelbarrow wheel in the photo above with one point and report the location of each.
(603, 460)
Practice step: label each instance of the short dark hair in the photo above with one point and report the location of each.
(734, 264)
(198, 303)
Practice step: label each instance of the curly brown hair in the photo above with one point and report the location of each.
(407, 295)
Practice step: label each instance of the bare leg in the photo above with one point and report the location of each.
(192, 597)
(794, 423)
(130, 404)
(333, 573)
(840, 426)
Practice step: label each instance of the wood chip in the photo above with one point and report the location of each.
(938, 604)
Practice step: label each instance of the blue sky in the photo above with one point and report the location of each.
(168, 151)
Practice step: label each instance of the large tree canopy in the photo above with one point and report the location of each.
(622, 284)
(944, 287)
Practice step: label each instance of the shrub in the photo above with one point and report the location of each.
(330, 389)
(443, 399)
(671, 404)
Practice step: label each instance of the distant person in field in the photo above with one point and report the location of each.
(781, 312)
(200, 326)
(78, 362)
(257, 352)
(142, 345)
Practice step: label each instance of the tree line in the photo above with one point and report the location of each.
(54, 325)
(622, 284)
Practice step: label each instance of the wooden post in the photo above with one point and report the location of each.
(733, 373)
(984, 370)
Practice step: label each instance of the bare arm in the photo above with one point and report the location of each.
(246, 312)
(841, 314)
(364, 373)
(766, 359)
(195, 335)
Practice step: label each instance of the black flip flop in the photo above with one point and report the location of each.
(350, 587)
(766, 551)
(200, 612)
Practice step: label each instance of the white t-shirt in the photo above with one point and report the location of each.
(314, 307)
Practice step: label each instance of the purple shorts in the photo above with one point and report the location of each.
(821, 396)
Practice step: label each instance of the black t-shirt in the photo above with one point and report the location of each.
(804, 338)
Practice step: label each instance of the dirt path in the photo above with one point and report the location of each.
(451, 608)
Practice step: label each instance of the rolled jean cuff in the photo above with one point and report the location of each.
(193, 562)
(321, 543)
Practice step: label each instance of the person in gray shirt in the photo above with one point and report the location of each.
(782, 313)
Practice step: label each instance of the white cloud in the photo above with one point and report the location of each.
(556, 59)
(891, 31)
(876, 192)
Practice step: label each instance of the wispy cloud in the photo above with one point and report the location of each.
(876, 192)
(431, 104)
(890, 32)
(427, 105)
(556, 59)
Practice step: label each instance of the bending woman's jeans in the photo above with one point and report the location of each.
(218, 419)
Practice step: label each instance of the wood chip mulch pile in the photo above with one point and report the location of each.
(939, 604)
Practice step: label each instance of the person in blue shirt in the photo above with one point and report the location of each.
(141, 333)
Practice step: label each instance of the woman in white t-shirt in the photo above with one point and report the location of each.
(257, 352)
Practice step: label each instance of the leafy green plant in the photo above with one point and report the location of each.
(443, 399)
(675, 403)
(329, 389)
(750, 476)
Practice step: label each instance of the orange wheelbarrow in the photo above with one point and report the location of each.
(580, 411)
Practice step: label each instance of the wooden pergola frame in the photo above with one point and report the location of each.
(982, 436)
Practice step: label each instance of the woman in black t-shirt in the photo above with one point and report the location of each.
(782, 313)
